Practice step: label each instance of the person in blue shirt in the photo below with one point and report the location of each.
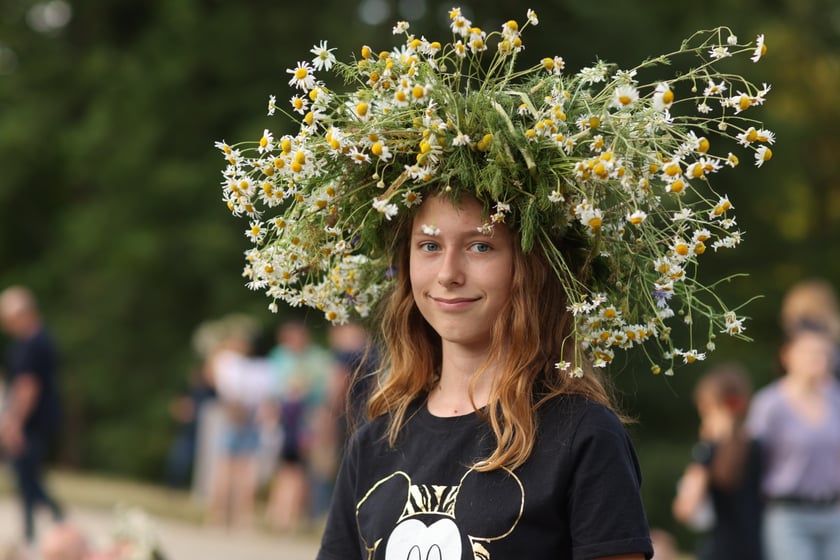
(31, 412)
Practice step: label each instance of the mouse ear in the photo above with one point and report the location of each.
(489, 504)
(382, 507)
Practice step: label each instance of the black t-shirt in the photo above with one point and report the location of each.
(576, 497)
(736, 534)
(37, 356)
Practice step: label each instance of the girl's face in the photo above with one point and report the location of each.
(809, 356)
(460, 277)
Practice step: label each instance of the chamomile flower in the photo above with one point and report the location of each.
(389, 210)
(300, 104)
(324, 57)
(719, 51)
(432, 230)
(625, 96)
(760, 49)
(302, 76)
(762, 154)
(532, 17)
(663, 97)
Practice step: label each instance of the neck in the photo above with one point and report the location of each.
(804, 385)
(452, 396)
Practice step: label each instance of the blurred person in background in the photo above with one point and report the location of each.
(725, 469)
(31, 411)
(302, 483)
(797, 421)
(356, 363)
(185, 410)
(243, 386)
(813, 302)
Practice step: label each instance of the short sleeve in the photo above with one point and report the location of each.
(758, 421)
(605, 505)
(34, 358)
(340, 540)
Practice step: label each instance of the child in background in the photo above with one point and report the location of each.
(725, 469)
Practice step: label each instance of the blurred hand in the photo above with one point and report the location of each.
(11, 435)
(717, 424)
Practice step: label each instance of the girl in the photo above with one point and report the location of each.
(479, 447)
(797, 421)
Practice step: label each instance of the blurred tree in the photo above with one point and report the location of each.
(112, 211)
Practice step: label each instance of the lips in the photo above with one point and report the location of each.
(453, 303)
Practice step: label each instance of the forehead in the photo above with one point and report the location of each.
(467, 208)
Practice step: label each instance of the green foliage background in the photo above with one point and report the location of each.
(111, 206)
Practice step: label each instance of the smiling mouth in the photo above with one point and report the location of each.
(454, 302)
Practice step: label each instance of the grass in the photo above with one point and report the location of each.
(105, 493)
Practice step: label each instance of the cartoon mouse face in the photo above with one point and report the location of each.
(399, 520)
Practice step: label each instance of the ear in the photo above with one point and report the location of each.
(489, 504)
(380, 509)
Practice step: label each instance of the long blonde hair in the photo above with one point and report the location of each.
(533, 337)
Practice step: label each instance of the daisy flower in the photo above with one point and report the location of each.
(762, 154)
(430, 230)
(382, 206)
(760, 49)
(302, 76)
(324, 57)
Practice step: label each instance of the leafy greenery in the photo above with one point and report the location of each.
(112, 209)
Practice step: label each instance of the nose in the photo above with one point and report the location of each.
(451, 271)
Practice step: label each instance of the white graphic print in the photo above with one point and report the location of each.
(413, 540)
(400, 520)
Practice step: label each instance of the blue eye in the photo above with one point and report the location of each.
(429, 246)
(482, 247)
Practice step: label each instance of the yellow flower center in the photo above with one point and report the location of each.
(600, 170)
(681, 249)
(362, 109)
(744, 103)
(301, 73)
(703, 145)
(672, 169)
(667, 97)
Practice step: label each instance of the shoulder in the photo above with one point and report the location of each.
(580, 425)
(766, 397)
(577, 413)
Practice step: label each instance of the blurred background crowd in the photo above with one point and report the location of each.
(172, 372)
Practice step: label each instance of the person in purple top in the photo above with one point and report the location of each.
(30, 414)
(797, 420)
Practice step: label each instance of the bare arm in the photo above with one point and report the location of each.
(24, 395)
(691, 493)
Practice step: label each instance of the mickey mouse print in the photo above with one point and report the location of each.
(399, 520)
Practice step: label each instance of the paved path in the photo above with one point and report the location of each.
(179, 540)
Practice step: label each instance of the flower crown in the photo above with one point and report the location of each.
(596, 155)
